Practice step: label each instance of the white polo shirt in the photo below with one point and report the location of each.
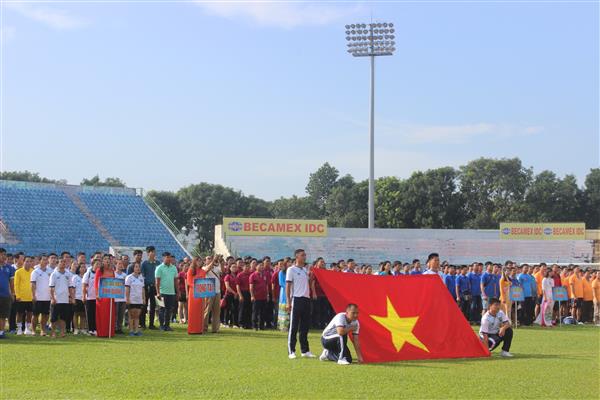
(120, 275)
(340, 320)
(42, 283)
(76, 282)
(299, 278)
(439, 273)
(490, 324)
(88, 278)
(136, 287)
(61, 282)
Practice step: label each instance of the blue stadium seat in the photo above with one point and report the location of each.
(42, 218)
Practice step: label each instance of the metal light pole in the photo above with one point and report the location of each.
(371, 40)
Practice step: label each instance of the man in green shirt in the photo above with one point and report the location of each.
(167, 290)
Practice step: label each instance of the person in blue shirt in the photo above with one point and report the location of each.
(534, 294)
(475, 285)
(489, 286)
(450, 281)
(7, 290)
(148, 271)
(463, 292)
(416, 269)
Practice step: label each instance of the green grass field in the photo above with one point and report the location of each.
(557, 363)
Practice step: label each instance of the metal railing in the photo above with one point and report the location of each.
(167, 222)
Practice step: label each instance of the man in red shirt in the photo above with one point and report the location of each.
(268, 271)
(243, 288)
(259, 294)
(322, 311)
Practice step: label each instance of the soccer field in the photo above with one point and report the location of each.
(557, 363)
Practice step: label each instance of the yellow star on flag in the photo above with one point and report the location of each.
(400, 328)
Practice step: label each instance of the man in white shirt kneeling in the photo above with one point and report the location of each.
(495, 329)
(335, 337)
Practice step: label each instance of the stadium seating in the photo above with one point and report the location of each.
(130, 221)
(457, 246)
(43, 218)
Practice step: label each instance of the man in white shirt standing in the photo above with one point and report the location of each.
(335, 337)
(495, 329)
(297, 293)
(62, 297)
(433, 266)
(40, 289)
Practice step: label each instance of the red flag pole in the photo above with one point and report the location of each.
(110, 318)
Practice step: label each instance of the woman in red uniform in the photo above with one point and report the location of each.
(195, 305)
(103, 305)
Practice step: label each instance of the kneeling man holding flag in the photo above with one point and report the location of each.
(335, 337)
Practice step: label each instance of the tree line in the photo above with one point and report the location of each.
(478, 195)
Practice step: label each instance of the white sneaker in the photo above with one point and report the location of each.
(343, 361)
(505, 354)
(28, 332)
(308, 354)
(579, 323)
(324, 355)
(93, 333)
(292, 356)
(19, 332)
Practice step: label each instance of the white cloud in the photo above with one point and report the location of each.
(280, 15)
(51, 16)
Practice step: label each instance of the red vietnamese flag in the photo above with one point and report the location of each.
(403, 317)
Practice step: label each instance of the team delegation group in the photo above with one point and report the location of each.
(259, 294)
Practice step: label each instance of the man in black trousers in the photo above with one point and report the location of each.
(297, 293)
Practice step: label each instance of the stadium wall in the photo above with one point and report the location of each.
(457, 246)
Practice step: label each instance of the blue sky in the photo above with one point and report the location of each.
(258, 95)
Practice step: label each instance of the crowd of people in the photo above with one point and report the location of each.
(57, 294)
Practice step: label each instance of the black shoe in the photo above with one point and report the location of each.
(152, 327)
(120, 332)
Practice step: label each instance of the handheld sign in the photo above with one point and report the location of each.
(204, 287)
(111, 288)
(516, 293)
(559, 293)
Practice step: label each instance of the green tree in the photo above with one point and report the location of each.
(205, 205)
(96, 181)
(347, 204)
(493, 191)
(170, 205)
(551, 199)
(320, 184)
(294, 207)
(591, 199)
(26, 176)
(427, 199)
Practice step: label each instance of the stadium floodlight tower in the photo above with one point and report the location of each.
(371, 40)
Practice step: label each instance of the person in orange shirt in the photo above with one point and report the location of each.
(588, 297)
(539, 275)
(596, 297)
(576, 284)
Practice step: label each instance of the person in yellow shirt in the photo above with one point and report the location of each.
(505, 283)
(24, 297)
(596, 297)
(588, 297)
(576, 284)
